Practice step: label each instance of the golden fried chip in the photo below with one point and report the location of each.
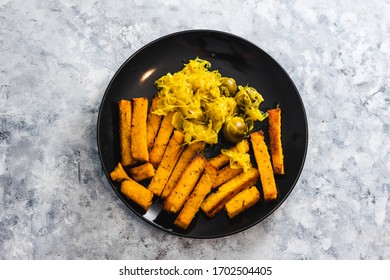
(242, 201)
(215, 202)
(139, 148)
(264, 166)
(125, 113)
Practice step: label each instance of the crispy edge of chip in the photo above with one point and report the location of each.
(125, 114)
(137, 193)
(192, 204)
(168, 162)
(275, 138)
(242, 201)
(188, 180)
(161, 141)
(185, 158)
(139, 148)
(215, 202)
(264, 165)
(142, 172)
(153, 123)
(221, 159)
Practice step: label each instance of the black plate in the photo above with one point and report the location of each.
(233, 57)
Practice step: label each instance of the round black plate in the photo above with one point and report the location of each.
(233, 57)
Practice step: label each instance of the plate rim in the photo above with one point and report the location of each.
(206, 31)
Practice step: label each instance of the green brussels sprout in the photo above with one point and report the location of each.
(235, 129)
(228, 86)
(249, 100)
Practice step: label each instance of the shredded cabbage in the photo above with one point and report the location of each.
(201, 106)
(239, 158)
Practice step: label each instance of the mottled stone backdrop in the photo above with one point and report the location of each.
(56, 60)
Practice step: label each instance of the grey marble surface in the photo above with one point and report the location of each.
(56, 60)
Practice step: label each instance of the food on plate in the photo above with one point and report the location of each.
(119, 174)
(185, 158)
(153, 123)
(192, 204)
(242, 201)
(168, 162)
(125, 112)
(203, 101)
(275, 138)
(264, 166)
(176, 199)
(223, 158)
(139, 148)
(239, 157)
(161, 140)
(165, 146)
(249, 100)
(137, 193)
(142, 172)
(215, 202)
(235, 129)
(225, 174)
(228, 86)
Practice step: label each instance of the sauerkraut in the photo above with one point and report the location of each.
(201, 104)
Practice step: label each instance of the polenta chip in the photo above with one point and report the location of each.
(125, 114)
(161, 140)
(142, 172)
(275, 138)
(137, 193)
(153, 123)
(215, 202)
(185, 158)
(176, 199)
(242, 201)
(139, 148)
(168, 162)
(264, 166)
(192, 205)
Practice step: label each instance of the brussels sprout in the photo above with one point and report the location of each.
(235, 129)
(228, 86)
(248, 97)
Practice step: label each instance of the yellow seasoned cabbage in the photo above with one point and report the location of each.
(201, 102)
(239, 158)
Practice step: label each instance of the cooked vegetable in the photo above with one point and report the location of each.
(203, 101)
(235, 129)
(248, 100)
(264, 166)
(228, 86)
(125, 113)
(225, 174)
(185, 158)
